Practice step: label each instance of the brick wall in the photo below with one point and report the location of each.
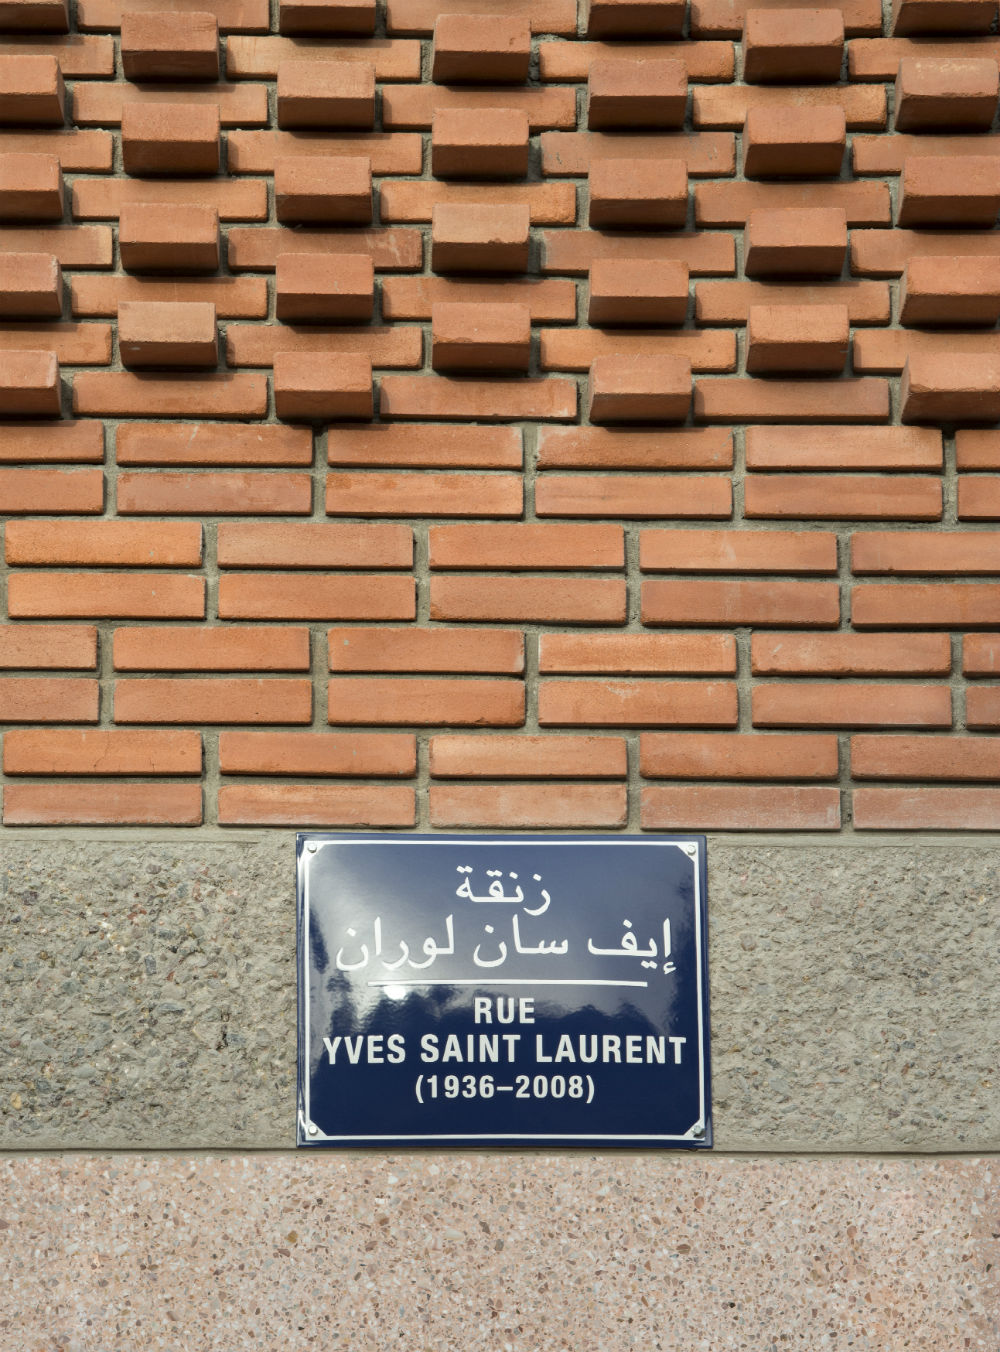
(445, 419)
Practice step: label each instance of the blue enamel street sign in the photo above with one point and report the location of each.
(503, 990)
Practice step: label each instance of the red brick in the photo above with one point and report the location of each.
(569, 154)
(30, 286)
(781, 143)
(415, 201)
(737, 755)
(977, 449)
(637, 703)
(827, 705)
(914, 809)
(520, 757)
(423, 494)
(315, 596)
(116, 595)
(211, 444)
(962, 291)
(795, 241)
(29, 384)
(568, 349)
(327, 17)
(947, 191)
(88, 544)
(173, 238)
(481, 48)
(206, 494)
(38, 16)
(379, 345)
(638, 292)
(528, 805)
(770, 448)
(260, 152)
(338, 289)
(925, 552)
(414, 297)
(794, 45)
(980, 654)
(443, 650)
(639, 654)
(317, 753)
(828, 497)
(44, 647)
(718, 551)
(72, 442)
(48, 699)
(168, 46)
(31, 187)
(202, 700)
(805, 604)
(632, 193)
(235, 16)
(545, 600)
(101, 751)
(315, 386)
(884, 253)
(626, 92)
(636, 496)
(952, 93)
(430, 397)
(422, 16)
(913, 605)
(902, 757)
(51, 490)
(806, 338)
(122, 394)
(730, 302)
(313, 544)
(633, 448)
(727, 105)
(639, 389)
(413, 106)
(400, 699)
(918, 17)
(850, 655)
(313, 190)
(982, 708)
(573, 252)
(165, 333)
(480, 143)
(480, 238)
(170, 138)
(526, 545)
(465, 336)
(316, 94)
(218, 648)
(635, 18)
(732, 204)
(951, 387)
(733, 399)
(316, 805)
(99, 103)
(745, 807)
(72, 344)
(31, 90)
(78, 246)
(102, 804)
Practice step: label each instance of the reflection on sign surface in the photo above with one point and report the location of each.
(505, 990)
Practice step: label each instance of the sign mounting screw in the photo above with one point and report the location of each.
(312, 1129)
(311, 849)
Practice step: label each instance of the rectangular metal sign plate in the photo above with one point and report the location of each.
(503, 990)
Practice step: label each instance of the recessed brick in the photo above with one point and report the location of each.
(635, 18)
(480, 238)
(630, 193)
(479, 143)
(315, 386)
(29, 384)
(638, 292)
(31, 91)
(948, 191)
(951, 387)
(796, 46)
(31, 187)
(781, 143)
(168, 46)
(636, 92)
(468, 337)
(325, 18)
(961, 291)
(320, 189)
(167, 333)
(326, 94)
(324, 289)
(797, 338)
(170, 138)
(30, 286)
(481, 49)
(639, 389)
(157, 238)
(805, 241)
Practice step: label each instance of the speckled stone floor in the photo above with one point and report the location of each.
(512, 1253)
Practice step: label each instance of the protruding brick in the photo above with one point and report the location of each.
(653, 291)
(951, 387)
(157, 238)
(31, 91)
(479, 143)
(481, 48)
(803, 241)
(315, 386)
(919, 17)
(469, 337)
(34, 16)
(635, 18)
(949, 93)
(314, 189)
(630, 193)
(325, 18)
(30, 286)
(324, 288)
(480, 238)
(949, 190)
(639, 389)
(636, 92)
(170, 138)
(167, 333)
(31, 187)
(964, 291)
(29, 385)
(797, 338)
(326, 94)
(783, 143)
(794, 45)
(170, 46)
